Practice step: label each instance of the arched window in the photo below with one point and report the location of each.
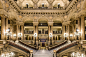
(58, 5)
(42, 4)
(27, 5)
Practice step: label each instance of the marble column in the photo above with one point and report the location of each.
(34, 33)
(17, 32)
(82, 28)
(79, 24)
(37, 35)
(6, 26)
(74, 30)
(22, 31)
(2, 27)
(79, 27)
(37, 32)
(11, 29)
(52, 34)
(48, 34)
(68, 32)
(63, 31)
(19, 29)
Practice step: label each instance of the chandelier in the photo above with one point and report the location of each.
(7, 54)
(77, 54)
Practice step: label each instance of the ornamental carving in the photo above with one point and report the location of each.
(50, 1)
(35, 1)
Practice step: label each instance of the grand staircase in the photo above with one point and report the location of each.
(42, 53)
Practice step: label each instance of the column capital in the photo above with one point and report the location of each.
(21, 23)
(35, 23)
(50, 23)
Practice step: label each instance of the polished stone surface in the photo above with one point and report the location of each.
(43, 53)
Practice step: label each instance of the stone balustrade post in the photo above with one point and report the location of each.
(31, 53)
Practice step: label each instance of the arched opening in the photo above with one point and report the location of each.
(43, 4)
(27, 4)
(58, 4)
(28, 29)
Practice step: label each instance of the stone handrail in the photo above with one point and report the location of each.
(19, 47)
(58, 45)
(66, 47)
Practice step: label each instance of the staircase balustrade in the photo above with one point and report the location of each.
(58, 45)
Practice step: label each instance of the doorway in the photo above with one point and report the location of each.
(43, 44)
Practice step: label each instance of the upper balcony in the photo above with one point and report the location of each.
(57, 24)
(28, 24)
(41, 5)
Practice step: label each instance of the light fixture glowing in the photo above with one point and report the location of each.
(77, 30)
(14, 35)
(19, 34)
(77, 54)
(65, 35)
(50, 34)
(7, 54)
(35, 35)
(7, 30)
(71, 35)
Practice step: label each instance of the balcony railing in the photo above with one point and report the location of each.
(28, 32)
(57, 32)
(57, 24)
(39, 32)
(28, 24)
(43, 24)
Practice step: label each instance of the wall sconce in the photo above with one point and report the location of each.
(7, 30)
(65, 35)
(50, 35)
(19, 34)
(14, 35)
(71, 35)
(35, 35)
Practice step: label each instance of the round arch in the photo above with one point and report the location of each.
(44, 19)
(27, 19)
(55, 3)
(46, 4)
(30, 3)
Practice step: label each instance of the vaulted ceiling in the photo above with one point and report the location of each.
(71, 10)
